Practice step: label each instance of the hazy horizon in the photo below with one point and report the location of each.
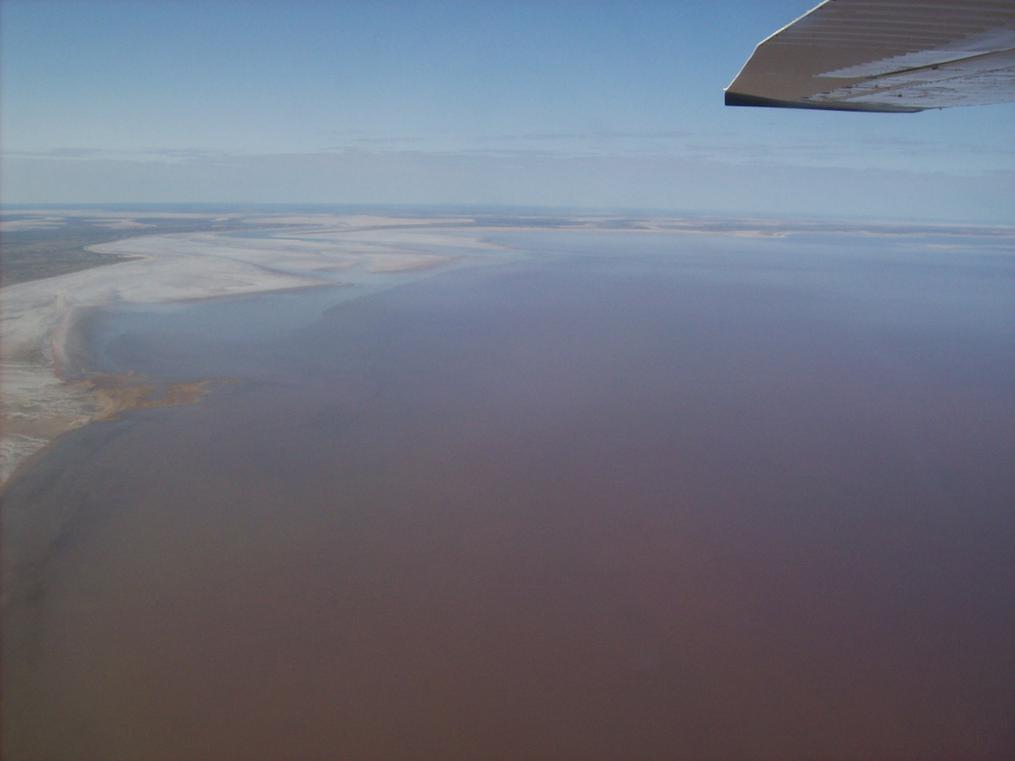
(613, 105)
(21, 207)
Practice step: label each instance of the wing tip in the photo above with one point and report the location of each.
(733, 98)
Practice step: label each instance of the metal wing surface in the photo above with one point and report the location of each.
(885, 55)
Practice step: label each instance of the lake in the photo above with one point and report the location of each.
(622, 496)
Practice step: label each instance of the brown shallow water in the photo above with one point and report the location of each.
(633, 500)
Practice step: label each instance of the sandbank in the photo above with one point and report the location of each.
(46, 388)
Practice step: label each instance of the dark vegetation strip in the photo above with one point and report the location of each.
(46, 252)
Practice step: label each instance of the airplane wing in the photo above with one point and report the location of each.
(885, 55)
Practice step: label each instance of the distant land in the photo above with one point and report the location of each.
(167, 253)
(173, 253)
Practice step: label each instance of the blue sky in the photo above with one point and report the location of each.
(569, 104)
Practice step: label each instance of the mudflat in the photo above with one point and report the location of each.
(214, 255)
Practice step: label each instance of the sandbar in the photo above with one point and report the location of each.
(46, 388)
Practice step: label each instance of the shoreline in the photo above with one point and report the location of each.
(45, 359)
(47, 387)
